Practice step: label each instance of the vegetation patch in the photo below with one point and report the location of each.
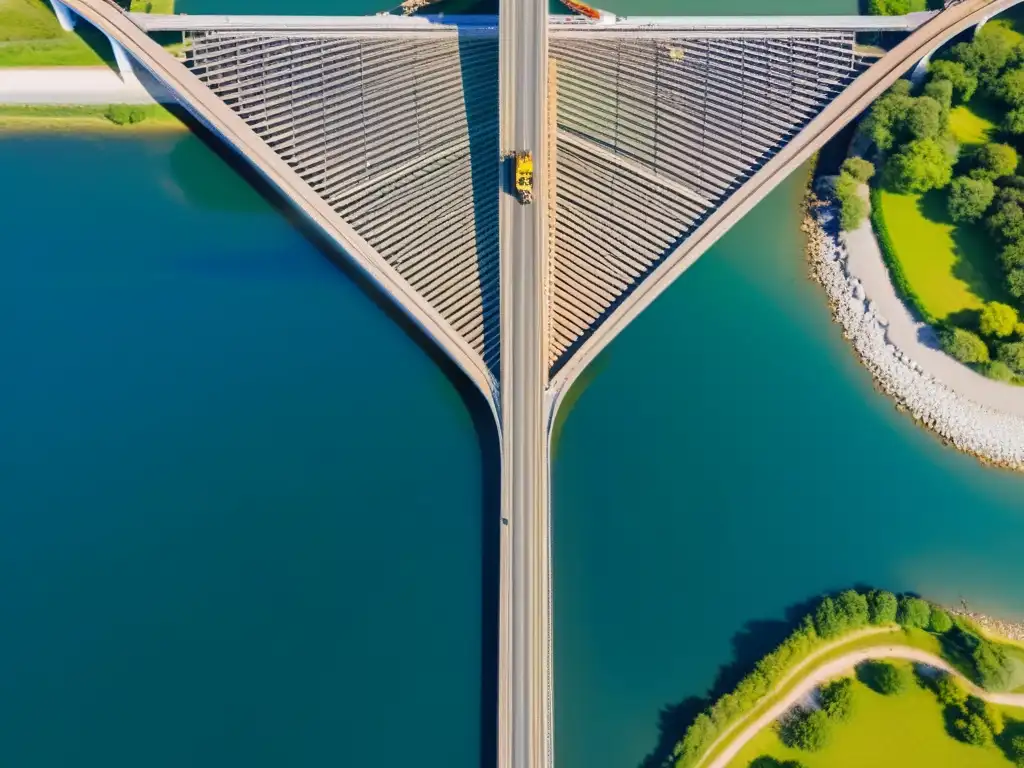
(912, 728)
(114, 117)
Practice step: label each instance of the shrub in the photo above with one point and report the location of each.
(913, 612)
(1017, 748)
(949, 691)
(972, 730)
(964, 346)
(858, 168)
(124, 114)
(881, 607)
(884, 678)
(837, 699)
(997, 320)
(964, 83)
(806, 730)
(1011, 87)
(852, 207)
(921, 165)
(969, 198)
(993, 161)
(940, 621)
(999, 371)
(1011, 354)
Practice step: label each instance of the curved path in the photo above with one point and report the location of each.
(916, 338)
(836, 668)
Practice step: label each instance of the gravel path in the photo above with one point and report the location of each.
(952, 410)
(77, 85)
(838, 667)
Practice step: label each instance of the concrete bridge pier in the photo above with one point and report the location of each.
(124, 62)
(65, 17)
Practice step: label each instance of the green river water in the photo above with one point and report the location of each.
(243, 513)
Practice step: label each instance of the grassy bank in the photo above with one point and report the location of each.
(99, 117)
(31, 37)
(906, 730)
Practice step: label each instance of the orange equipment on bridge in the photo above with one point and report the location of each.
(582, 9)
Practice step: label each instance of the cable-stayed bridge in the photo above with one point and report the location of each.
(651, 137)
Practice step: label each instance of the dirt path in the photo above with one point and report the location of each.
(836, 668)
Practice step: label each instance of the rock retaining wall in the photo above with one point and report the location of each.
(994, 437)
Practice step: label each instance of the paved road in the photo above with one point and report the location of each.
(525, 657)
(839, 667)
(854, 100)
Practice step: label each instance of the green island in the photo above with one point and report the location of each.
(947, 200)
(855, 627)
(30, 36)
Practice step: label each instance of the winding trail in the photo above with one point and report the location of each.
(837, 667)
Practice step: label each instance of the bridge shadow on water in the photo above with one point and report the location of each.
(750, 644)
(479, 410)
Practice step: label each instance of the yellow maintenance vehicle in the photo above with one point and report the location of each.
(523, 173)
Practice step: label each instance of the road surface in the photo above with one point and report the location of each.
(524, 728)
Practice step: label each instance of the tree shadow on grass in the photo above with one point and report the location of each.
(754, 641)
(1011, 730)
(975, 256)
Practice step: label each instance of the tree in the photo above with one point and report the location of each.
(994, 161)
(1017, 748)
(858, 168)
(970, 198)
(997, 320)
(993, 717)
(921, 166)
(964, 82)
(884, 678)
(1012, 255)
(881, 607)
(1006, 223)
(991, 663)
(1011, 354)
(853, 209)
(853, 607)
(885, 124)
(986, 56)
(913, 612)
(1011, 87)
(806, 730)
(964, 346)
(828, 621)
(924, 118)
(949, 691)
(940, 621)
(942, 92)
(1013, 122)
(888, 7)
(973, 730)
(1015, 282)
(837, 699)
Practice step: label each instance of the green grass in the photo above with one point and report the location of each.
(974, 124)
(82, 118)
(902, 731)
(31, 37)
(152, 6)
(951, 268)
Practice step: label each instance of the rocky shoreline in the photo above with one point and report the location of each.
(1010, 630)
(994, 437)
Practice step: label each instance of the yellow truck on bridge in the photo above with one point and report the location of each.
(523, 171)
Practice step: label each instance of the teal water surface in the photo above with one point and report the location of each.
(240, 510)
